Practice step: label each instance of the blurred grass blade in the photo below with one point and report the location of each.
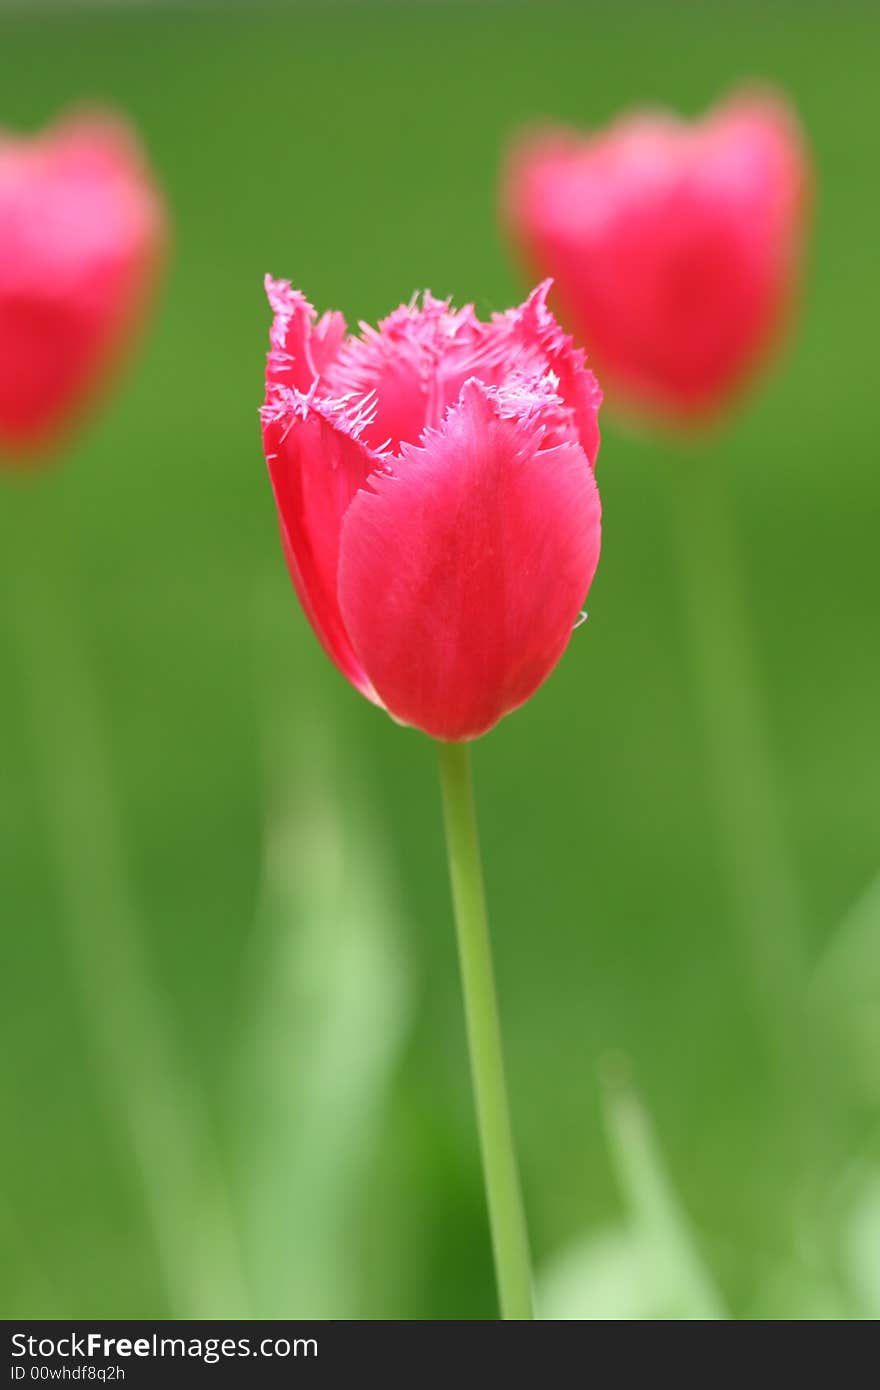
(326, 1003)
(844, 993)
(859, 1242)
(603, 1278)
(144, 1077)
(677, 1269)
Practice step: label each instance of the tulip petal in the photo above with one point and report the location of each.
(461, 576)
(577, 385)
(316, 464)
(301, 348)
(48, 353)
(414, 365)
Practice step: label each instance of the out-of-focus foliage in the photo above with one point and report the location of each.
(275, 847)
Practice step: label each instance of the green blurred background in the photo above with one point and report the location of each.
(233, 1076)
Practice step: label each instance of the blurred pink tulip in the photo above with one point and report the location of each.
(675, 247)
(82, 231)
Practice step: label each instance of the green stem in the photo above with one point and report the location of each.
(506, 1215)
(764, 885)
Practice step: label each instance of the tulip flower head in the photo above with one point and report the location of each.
(675, 247)
(435, 490)
(81, 233)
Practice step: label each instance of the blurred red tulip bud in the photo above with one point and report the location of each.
(675, 247)
(82, 230)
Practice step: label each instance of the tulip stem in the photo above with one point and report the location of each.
(506, 1214)
(763, 882)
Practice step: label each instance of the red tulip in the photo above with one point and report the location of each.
(81, 233)
(675, 247)
(439, 514)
